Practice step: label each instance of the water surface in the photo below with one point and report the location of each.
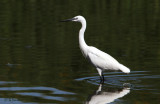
(41, 63)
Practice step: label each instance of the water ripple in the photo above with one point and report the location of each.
(46, 93)
(117, 79)
(40, 95)
(53, 90)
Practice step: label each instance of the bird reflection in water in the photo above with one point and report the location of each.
(108, 95)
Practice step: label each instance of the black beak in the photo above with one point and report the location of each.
(68, 20)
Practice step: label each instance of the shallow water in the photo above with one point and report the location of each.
(41, 63)
(118, 88)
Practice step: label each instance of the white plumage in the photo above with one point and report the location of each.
(101, 60)
(104, 61)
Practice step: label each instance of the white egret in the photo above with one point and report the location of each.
(101, 60)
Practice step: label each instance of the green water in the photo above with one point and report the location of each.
(40, 59)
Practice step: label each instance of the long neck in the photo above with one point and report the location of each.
(82, 43)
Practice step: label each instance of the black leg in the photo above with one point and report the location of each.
(102, 78)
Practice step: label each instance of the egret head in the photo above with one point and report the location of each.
(75, 19)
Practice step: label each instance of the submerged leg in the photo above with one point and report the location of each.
(101, 75)
(102, 78)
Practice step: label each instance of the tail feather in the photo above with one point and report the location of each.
(124, 69)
